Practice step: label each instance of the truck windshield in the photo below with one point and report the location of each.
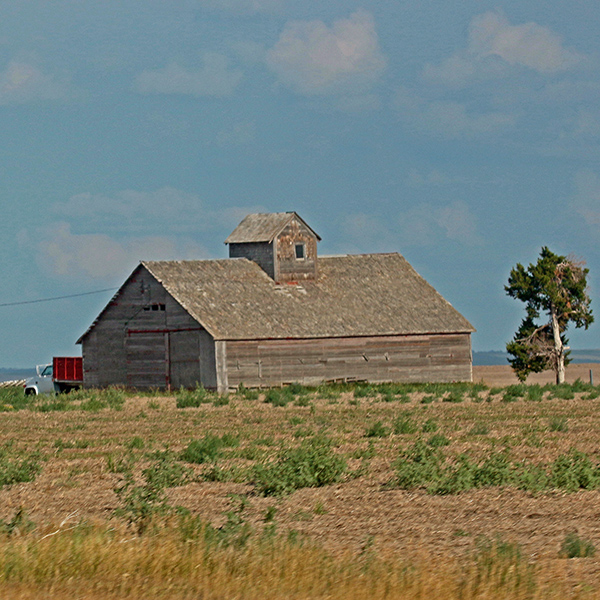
(47, 372)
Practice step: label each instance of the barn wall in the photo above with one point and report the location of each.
(413, 358)
(260, 252)
(287, 266)
(145, 339)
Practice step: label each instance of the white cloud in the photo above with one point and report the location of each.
(459, 223)
(103, 237)
(495, 45)
(425, 224)
(133, 210)
(312, 58)
(164, 210)
(421, 225)
(450, 119)
(529, 45)
(21, 83)
(366, 233)
(98, 256)
(215, 78)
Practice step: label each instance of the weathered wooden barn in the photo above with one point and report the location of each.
(275, 313)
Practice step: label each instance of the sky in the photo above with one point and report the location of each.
(463, 135)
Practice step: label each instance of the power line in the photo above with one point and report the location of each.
(57, 297)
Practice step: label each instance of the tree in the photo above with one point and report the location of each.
(557, 286)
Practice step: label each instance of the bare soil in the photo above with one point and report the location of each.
(362, 511)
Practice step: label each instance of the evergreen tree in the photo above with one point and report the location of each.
(557, 287)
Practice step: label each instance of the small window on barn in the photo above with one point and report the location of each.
(155, 307)
(300, 252)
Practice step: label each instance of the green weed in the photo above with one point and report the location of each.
(364, 391)
(248, 394)
(514, 392)
(575, 547)
(220, 401)
(438, 441)
(165, 471)
(429, 426)
(135, 443)
(404, 425)
(377, 430)
(454, 396)
(479, 429)
(535, 393)
(59, 444)
(208, 449)
(425, 466)
(120, 464)
(312, 464)
(14, 398)
(192, 398)
(368, 452)
(279, 396)
(15, 468)
(559, 424)
(224, 474)
(562, 392)
(573, 471)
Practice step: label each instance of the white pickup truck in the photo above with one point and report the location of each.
(63, 375)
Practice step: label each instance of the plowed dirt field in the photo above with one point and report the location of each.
(365, 509)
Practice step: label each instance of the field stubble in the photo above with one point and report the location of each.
(361, 514)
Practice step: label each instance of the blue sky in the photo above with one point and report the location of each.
(462, 135)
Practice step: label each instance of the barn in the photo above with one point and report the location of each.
(275, 313)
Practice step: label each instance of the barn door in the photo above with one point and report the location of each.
(184, 353)
(147, 359)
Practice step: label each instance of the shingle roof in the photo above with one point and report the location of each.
(357, 295)
(262, 227)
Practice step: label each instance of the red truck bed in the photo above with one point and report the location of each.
(67, 368)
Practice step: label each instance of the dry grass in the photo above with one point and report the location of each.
(100, 563)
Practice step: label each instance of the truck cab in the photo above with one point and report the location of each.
(63, 375)
(42, 383)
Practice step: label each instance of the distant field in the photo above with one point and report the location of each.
(504, 375)
(432, 473)
(500, 358)
(15, 374)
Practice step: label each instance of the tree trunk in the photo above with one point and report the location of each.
(559, 350)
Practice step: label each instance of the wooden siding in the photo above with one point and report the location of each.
(145, 339)
(287, 266)
(261, 253)
(411, 358)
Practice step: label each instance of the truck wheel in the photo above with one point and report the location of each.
(30, 392)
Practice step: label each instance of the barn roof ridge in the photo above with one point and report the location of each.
(263, 227)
